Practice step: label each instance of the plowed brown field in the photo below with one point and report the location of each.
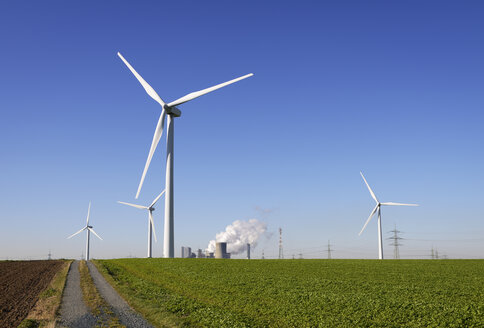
(20, 285)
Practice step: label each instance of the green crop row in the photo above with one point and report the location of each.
(302, 293)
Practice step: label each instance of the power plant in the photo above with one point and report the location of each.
(240, 236)
(221, 251)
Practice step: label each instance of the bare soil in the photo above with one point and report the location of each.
(21, 282)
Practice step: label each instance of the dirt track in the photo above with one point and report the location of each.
(73, 311)
(20, 285)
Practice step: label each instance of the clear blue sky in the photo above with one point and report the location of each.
(392, 89)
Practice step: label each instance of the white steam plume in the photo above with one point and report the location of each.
(238, 235)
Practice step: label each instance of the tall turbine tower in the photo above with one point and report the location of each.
(172, 111)
(281, 253)
(88, 229)
(151, 223)
(378, 208)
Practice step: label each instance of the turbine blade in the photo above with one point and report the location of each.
(88, 212)
(134, 205)
(154, 143)
(77, 232)
(94, 232)
(157, 198)
(149, 90)
(197, 94)
(371, 191)
(369, 219)
(398, 204)
(152, 225)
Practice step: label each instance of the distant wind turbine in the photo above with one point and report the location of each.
(151, 223)
(378, 208)
(172, 111)
(88, 229)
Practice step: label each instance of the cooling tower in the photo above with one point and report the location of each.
(220, 250)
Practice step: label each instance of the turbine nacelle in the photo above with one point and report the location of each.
(172, 111)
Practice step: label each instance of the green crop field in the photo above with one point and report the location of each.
(302, 293)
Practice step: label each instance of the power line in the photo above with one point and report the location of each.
(395, 242)
(329, 251)
(446, 240)
(434, 254)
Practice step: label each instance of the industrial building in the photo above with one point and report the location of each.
(221, 251)
(186, 252)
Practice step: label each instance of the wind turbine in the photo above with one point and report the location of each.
(378, 208)
(151, 224)
(88, 229)
(171, 111)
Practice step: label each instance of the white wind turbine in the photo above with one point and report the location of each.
(88, 229)
(171, 111)
(151, 223)
(378, 207)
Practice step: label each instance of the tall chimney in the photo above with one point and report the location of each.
(248, 251)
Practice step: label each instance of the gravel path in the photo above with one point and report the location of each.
(121, 309)
(73, 312)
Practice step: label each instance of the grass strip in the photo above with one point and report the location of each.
(156, 315)
(45, 311)
(99, 307)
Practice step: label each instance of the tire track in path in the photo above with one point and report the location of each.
(126, 315)
(73, 312)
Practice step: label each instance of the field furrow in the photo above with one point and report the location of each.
(20, 285)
